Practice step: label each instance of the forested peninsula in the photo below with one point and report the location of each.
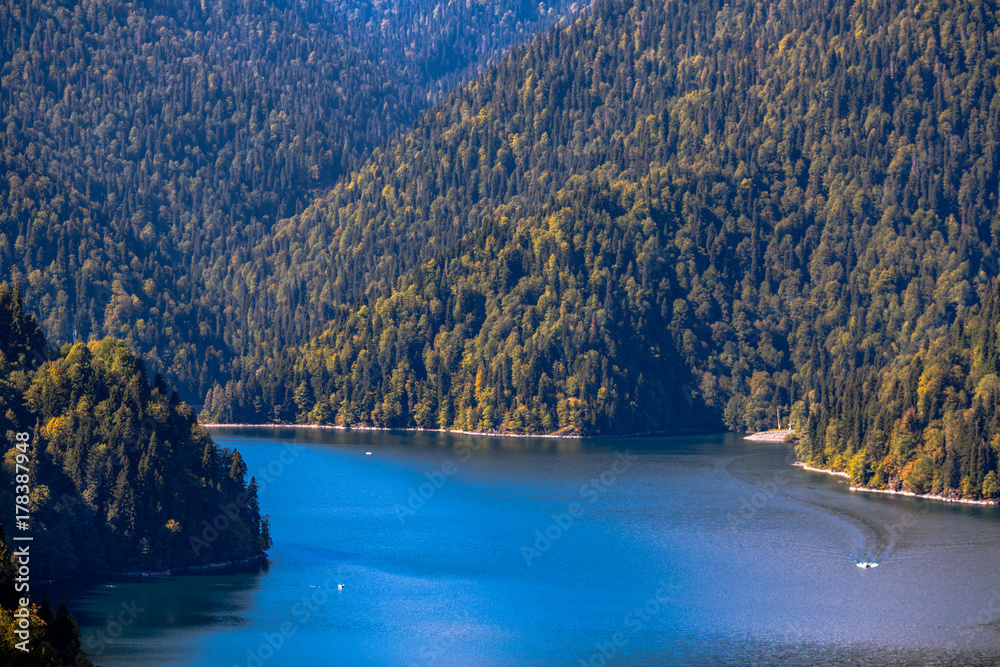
(120, 479)
(122, 476)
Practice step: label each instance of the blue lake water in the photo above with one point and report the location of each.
(462, 551)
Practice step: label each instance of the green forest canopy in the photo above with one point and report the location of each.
(122, 475)
(665, 215)
(743, 207)
(147, 145)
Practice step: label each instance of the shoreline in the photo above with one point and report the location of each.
(225, 567)
(493, 434)
(835, 473)
(928, 496)
(760, 436)
(775, 435)
(890, 492)
(414, 429)
(209, 568)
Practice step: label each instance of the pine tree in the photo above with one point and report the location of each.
(209, 462)
(259, 531)
(64, 635)
(237, 471)
(122, 509)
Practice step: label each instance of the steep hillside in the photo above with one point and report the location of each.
(749, 207)
(146, 146)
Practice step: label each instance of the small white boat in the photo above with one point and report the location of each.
(368, 453)
(867, 565)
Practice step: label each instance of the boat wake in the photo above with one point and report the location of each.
(846, 527)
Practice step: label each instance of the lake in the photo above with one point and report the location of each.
(457, 550)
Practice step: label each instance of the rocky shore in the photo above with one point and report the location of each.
(225, 567)
(893, 492)
(770, 436)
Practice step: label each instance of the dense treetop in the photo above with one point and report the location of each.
(122, 475)
(749, 207)
(663, 215)
(146, 146)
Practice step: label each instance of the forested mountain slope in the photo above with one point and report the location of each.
(147, 145)
(121, 475)
(747, 206)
